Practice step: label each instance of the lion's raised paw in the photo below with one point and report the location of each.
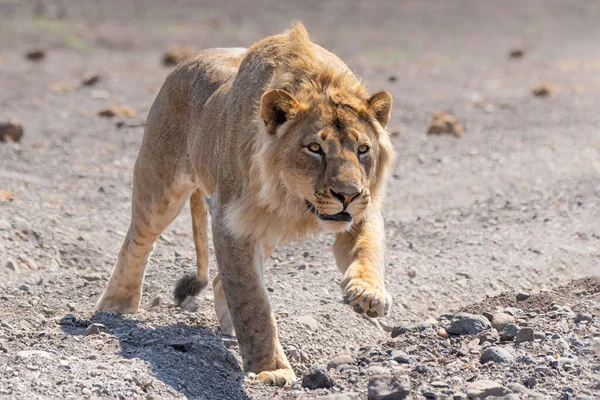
(366, 298)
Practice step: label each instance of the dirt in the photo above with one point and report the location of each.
(512, 206)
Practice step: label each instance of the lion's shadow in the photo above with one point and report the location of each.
(190, 359)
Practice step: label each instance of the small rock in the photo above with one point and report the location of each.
(377, 370)
(157, 301)
(86, 392)
(317, 378)
(544, 90)
(34, 353)
(229, 342)
(341, 396)
(11, 131)
(95, 329)
(497, 354)
(10, 264)
(68, 319)
(489, 336)
(468, 324)
(401, 357)
(340, 360)
(509, 333)
(539, 336)
(117, 111)
(35, 55)
(190, 304)
(525, 335)
(408, 327)
(583, 317)
(385, 387)
(523, 296)
(501, 320)
(309, 322)
(445, 124)
(90, 79)
(483, 388)
(516, 387)
(516, 53)
(306, 254)
(530, 382)
(177, 54)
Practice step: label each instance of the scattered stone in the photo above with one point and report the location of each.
(525, 335)
(521, 296)
(497, 355)
(401, 357)
(484, 388)
(501, 320)
(509, 333)
(190, 304)
(408, 327)
(68, 319)
(95, 329)
(516, 53)
(317, 378)
(539, 336)
(530, 382)
(341, 396)
(583, 317)
(157, 301)
(90, 79)
(177, 54)
(10, 264)
(544, 90)
(340, 360)
(11, 131)
(34, 353)
(385, 387)
(117, 111)
(35, 55)
(468, 324)
(445, 124)
(377, 370)
(309, 322)
(489, 336)
(392, 78)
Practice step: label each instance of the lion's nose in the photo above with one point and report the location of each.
(346, 194)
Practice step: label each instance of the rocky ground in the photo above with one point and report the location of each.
(507, 202)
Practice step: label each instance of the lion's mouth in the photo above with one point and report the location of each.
(342, 216)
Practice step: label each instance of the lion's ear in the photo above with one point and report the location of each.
(380, 105)
(276, 107)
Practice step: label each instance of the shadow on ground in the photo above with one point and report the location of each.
(190, 359)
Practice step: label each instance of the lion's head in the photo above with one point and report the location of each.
(328, 146)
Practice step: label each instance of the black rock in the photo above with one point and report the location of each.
(530, 382)
(385, 387)
(401, 357)
(468, 324)
(317, 378)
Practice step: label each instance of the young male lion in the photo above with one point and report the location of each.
(288, 143)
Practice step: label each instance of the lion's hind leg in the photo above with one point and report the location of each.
(191, 285)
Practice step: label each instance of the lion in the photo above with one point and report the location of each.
(285, 142)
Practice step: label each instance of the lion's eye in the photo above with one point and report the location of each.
(363, 148)
(314, 147)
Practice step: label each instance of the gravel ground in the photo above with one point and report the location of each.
(511, 206)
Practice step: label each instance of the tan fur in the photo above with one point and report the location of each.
(238, 125)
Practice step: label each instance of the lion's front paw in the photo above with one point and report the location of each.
(279, 377)
(122, 305)
(366, 298)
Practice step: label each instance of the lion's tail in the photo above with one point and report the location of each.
(189, 285)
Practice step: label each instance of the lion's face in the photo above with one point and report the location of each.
(330, 158)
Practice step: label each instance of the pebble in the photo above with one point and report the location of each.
(190, 304)
(539, 336)
(484, 388)
(497, 354)
(583, 317)
(309, 322)
(377, 370)
(12, 265)
(525, 335)
(156, 301)
(95, 329)
(401, 357)
(317, 378)
(389, 387)
(530, 382)
(408, 327)
(509, 333)
(521, 296)
(339, 360)
(501, 320)
(341, 396)
(468, 324)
